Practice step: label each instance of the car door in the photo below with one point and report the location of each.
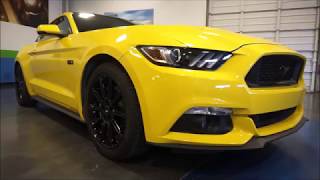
(54, 67)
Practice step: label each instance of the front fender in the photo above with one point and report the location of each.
(115, 53)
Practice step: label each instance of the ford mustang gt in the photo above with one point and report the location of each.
(173, 86)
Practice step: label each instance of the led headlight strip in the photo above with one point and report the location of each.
(189, 58)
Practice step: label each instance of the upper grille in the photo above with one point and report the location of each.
(266, 119)
(275, 70)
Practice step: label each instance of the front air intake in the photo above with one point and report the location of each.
(275, 70)
(261, 120)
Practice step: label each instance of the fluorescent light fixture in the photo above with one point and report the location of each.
(86, 15)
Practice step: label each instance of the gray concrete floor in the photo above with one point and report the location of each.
(41, 143)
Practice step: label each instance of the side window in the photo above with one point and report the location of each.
(63, 24)
(44, 37)
(40, 37)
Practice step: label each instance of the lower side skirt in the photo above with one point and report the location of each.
(57, 107)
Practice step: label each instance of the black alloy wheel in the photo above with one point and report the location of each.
(107, 112)
(112, 112)
(22, 95)
(19, 85)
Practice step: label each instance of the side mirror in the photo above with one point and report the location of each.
(50, 29)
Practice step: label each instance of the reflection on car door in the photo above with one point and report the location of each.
(53, 67)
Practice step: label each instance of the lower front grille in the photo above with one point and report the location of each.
(261, 120)
(275, 70)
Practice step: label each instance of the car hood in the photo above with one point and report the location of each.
(192, 36)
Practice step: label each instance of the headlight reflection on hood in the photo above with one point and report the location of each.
(189, 58)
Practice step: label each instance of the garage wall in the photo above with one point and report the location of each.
(15, 36)
(294, 23)
(55, 9)
(190, 12)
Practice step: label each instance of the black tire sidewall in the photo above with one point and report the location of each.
(26, 100)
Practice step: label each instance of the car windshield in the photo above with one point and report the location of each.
(89, 22)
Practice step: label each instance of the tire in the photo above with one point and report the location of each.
(23, 97)
(112, 113)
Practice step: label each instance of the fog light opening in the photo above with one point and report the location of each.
(216, 111)
(205, 120)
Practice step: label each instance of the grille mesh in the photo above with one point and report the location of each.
(275, 70)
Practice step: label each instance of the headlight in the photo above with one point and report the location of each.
(189, 58)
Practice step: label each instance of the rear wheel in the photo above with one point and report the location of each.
(22, 94)
(113, 113)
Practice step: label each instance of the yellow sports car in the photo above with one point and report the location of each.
(172, 86)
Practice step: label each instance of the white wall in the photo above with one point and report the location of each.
(189, 12)
(55, 9)
(14, 36)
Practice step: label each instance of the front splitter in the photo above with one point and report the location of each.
(254, 143)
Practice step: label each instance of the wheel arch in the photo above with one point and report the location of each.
(90, 66)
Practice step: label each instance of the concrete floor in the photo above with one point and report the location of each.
(41, 143)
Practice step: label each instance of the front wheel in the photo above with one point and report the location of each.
(112, 113)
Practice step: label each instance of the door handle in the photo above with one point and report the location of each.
(70, 62)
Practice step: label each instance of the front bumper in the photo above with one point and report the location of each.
(165, 93)
(254, 143)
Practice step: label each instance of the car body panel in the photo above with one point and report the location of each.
(49, 67)
(181, 89)
(165, 93)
